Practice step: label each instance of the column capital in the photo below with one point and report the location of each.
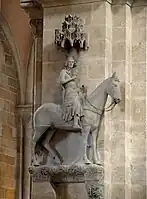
(50, 3)
(24, 111)
(37, 27)
(123, 2)
(130, 2)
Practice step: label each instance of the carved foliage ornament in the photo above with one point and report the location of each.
(71, 34)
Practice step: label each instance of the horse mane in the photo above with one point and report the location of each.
(96, 91)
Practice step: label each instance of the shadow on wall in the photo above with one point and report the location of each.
(122, 103)
(54, 60)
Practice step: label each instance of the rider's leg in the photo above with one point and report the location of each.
(76, 121)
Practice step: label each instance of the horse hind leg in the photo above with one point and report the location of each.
(47, 146)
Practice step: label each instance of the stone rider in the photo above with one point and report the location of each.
(73, 97)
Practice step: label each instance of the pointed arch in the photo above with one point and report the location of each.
(7, 36)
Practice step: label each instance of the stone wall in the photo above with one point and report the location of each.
(9, 93)
(117, 41)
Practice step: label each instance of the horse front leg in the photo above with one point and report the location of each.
(86, 132)
(96, 155)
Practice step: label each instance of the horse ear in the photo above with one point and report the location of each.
(114, 75)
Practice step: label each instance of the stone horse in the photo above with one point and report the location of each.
(48, 118)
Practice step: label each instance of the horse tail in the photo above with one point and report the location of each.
(34, 122)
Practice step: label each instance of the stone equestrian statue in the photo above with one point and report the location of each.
(72, 96)
(78, 112)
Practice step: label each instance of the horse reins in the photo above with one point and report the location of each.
(109, 108)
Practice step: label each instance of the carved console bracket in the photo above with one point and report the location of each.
(33, 8)
(71, 34)
(91, 175)
(37, 27)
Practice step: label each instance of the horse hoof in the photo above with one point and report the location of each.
(36, 165)
(98, 163)
(87, 163)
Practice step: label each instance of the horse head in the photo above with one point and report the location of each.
(113, 88)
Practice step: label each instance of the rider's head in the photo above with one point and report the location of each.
(70, 63)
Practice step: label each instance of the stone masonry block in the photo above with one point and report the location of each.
(119, 35)
(139, 52)
(10, 71)
(137, 146)
(138, 35)
(12, 82)
(119, 16)
(119, 68)
(99, 13)
(8, 59)
(138, 159)
(138, 174)
(10, 193)
(138, 192)
(9, 144)
(139, 17)
(116, 49)
(138, 110)
(96, 69)
(118, 174)
(7, 132)
(50, 51)
(138, 130)
(96, 32)
(53, 17)
(117, 150)
(118, 191)
(42, 190)
(138, 72)
(7, 159)
(138, 90)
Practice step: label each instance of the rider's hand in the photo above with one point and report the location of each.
(74, 77)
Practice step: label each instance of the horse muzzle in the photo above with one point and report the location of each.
(117, 101)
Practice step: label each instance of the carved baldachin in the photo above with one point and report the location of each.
(71, 34)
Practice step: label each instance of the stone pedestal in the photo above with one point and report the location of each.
(68, 181)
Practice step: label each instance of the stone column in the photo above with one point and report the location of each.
(139, 100)
(24, 112)
(121, 63)
(37, 29)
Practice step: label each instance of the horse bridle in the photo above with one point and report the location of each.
(109, 108)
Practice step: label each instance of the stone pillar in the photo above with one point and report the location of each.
(121, 63)
(69, 181)
(24, 112)
(37, 29)
(20, 158)
(138, 99)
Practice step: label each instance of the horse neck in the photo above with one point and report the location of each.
(99, 96)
